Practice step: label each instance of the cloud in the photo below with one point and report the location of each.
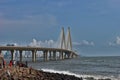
(40, 20)
(54, 44)
(46, 43)
(84, 43)
(76, 43)
(116, 42)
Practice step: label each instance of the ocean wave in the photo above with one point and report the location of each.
(84, 76)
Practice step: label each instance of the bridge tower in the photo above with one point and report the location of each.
(68, 40)
(65, 42)
(62, 40)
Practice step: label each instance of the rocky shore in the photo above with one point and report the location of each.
(22, 73)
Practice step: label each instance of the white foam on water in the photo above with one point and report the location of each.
(84, 76)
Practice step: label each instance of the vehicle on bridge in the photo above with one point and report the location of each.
(11, 44)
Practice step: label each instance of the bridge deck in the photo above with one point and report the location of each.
(28, 48)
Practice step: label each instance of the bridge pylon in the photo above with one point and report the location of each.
(65, 41)
(68, 40)
(62, 40)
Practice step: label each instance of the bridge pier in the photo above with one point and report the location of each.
(61, 55)
(72, 55)
(65, 55)
(12, 56)
(68, 55)
(20, 55)
(35, 53)
(54, 55)
(50, 55)
(34, 56)
(45, 55)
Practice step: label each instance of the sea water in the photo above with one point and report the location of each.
(97, 67)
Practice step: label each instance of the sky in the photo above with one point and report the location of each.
(94, 24)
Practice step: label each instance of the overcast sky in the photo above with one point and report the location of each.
(95, 24)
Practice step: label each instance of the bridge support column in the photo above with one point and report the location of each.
(45, 55)
(65, 55)
(50, 55)
(74, 56)
(20, 55)
(61, 55)
(34, 56)
(12, 56)
(70, 55)
(54, 55)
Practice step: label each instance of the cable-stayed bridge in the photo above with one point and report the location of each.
(63, 50)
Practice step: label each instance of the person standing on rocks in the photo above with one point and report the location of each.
(1, 60)
(11, 63)
(14, 63)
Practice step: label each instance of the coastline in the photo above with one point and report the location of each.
(22, 73)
